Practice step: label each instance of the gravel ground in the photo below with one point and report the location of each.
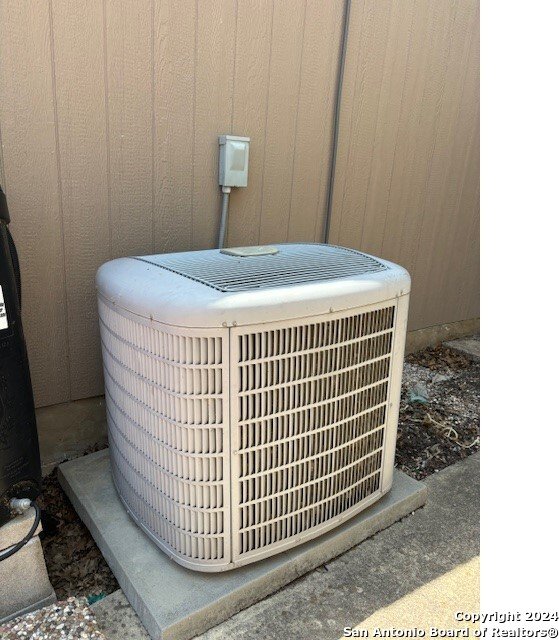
(439, 425)
(69, 620)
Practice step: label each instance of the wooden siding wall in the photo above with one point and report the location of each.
(109, 117)
(407, 172)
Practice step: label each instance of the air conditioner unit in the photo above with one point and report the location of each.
(252, 395)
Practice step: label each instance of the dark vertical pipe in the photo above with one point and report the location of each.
(335, 132)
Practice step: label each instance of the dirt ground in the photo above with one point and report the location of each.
(439, 425)
(439, 411)
(74, 563)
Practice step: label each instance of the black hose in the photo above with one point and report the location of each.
(15, 264)
(10, 552)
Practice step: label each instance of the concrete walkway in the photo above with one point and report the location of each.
(414, 573)
(469, 347)
(434, 604)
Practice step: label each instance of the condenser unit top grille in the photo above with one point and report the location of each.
(293, 264)
(248, 286)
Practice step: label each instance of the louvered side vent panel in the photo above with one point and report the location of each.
(310, 427)
(165, 408)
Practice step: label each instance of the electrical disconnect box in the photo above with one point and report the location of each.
(233, 161)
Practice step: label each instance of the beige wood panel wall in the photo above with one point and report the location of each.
(407, 173)
(109, 117)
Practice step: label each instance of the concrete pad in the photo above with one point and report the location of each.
(24, 582)
(173, 602)
(379, 572)
(407, 567)
(466, 346)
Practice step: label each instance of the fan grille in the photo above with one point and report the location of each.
(309, 426)
(293, 264)
(165, 408)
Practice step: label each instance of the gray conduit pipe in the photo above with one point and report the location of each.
(335, 133)
(224, 215)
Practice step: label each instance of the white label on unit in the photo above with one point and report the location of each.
(3, 314)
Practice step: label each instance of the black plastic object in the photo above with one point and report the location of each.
(20, 464)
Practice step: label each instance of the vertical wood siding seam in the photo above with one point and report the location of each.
(346, 121)
(192, 173)
(265, 142)
(234, 67)
(471, 142)
(68, 363)
(173, 78)
(107, 126)
(461, 103)
(152, 52)
(430, 268)
(428, 56)
(472, 236)
(399, 122)
(192, 137)
(352, 118)
(365, 200)
(296, 120)
(433, 147)
(130, 113)
(282, 104)
(214, 88)
(329, 160)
